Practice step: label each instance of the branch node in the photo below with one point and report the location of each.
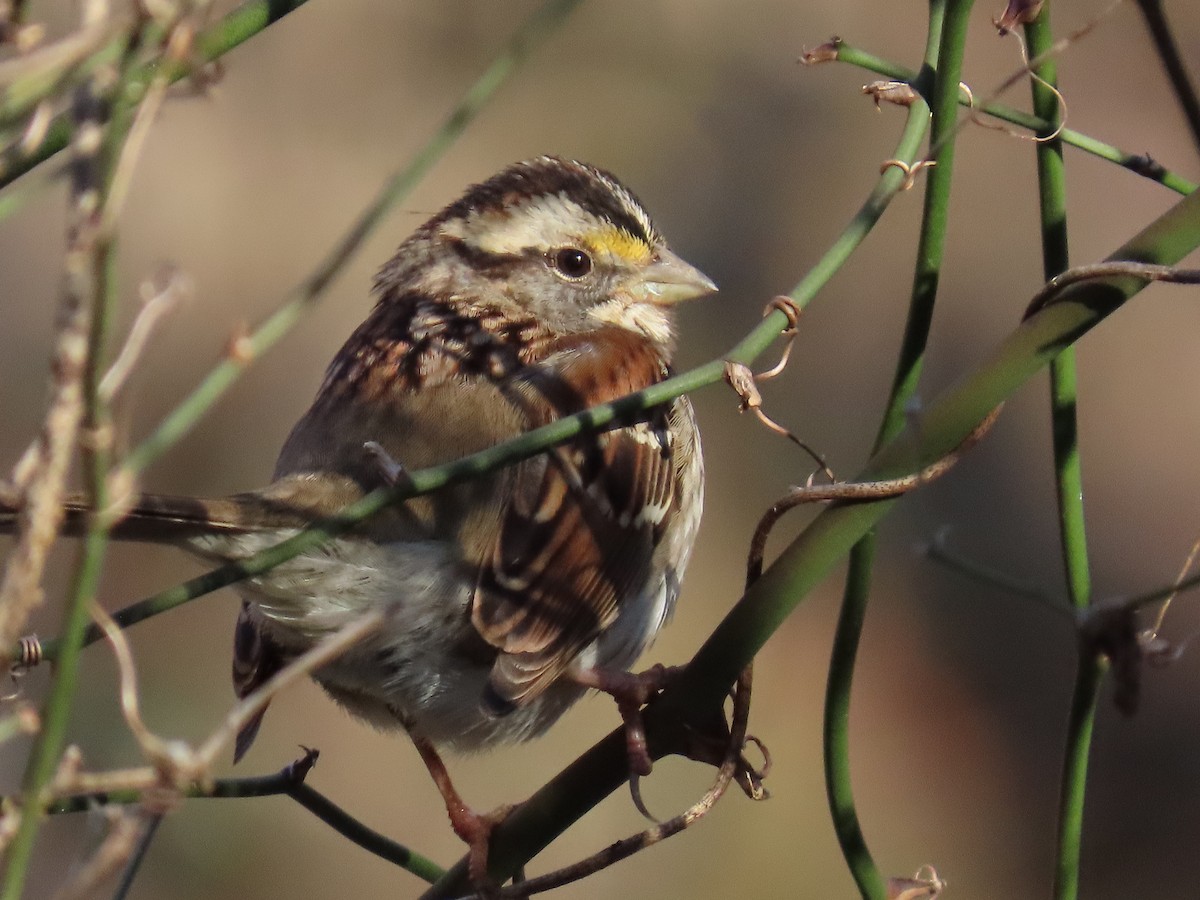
(297, 770)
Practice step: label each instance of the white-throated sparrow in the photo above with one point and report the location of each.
(539, 293)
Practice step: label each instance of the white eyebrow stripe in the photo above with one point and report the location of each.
(543, 222)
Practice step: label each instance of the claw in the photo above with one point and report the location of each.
(631, 691)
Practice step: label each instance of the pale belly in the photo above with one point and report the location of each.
(427, 670)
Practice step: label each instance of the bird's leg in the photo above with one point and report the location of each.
(474, 829)
(631, 691)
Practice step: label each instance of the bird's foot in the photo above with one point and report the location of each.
(631, 691)
(474, 828)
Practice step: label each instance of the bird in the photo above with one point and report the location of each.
(540, 292)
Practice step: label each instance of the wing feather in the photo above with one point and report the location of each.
(577, 537)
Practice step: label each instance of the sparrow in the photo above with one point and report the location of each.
(540, 292)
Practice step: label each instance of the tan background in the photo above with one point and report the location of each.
(751, 165)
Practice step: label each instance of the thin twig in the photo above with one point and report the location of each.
(1152, 631)
(1172, 60)
(173, 288)
(134, 864)
(289, 782)
(28, 80)
(175, 56)
(159, 753)
(100, 134)
(1060, 119)
(1045, 55)
(1049, 294)
(938, 550)
(851, 492)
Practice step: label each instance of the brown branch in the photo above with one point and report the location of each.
(40, 481)
(1051, 291)
(850, 492)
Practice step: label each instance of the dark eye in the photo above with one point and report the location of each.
(572, 262)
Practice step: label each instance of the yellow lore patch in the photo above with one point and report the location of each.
(617, 243)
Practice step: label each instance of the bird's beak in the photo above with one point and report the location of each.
(669, 280)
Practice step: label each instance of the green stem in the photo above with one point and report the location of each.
(536, 28)
(943, 53)
(1080, 724)
(1067, 468)
(835, 736)
(1137, 163)
(1177, 74)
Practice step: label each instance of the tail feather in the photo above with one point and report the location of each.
(256, 659)
(163, 519)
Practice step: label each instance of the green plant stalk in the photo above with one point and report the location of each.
(234, 29)
(536, 28)
(835, 722)
(1177, 74)
(97, 458)
(951, 418)
(943, 53)
(1052, 195)
(1141, 165)
(1081, 722)
(282, 783)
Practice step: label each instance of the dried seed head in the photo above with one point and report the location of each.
(1018, 12)
(826, 52)
(899, 92)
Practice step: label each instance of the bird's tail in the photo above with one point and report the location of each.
(163, 519)
(160, 519)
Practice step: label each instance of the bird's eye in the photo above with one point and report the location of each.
(571, 262)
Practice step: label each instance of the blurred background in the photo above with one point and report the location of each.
(751, 165)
